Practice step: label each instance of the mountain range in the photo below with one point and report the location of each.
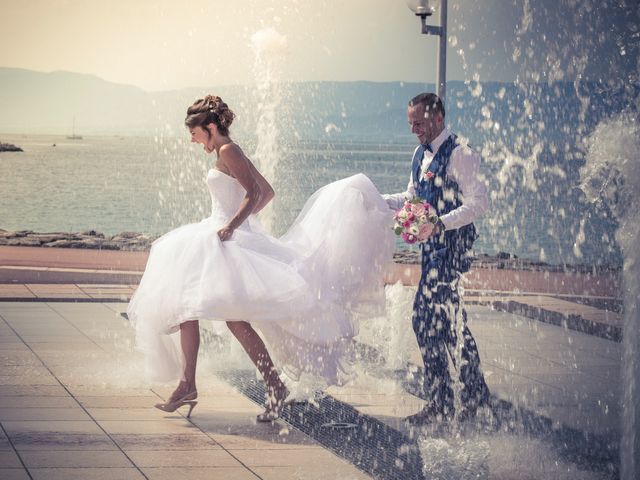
(37, 102)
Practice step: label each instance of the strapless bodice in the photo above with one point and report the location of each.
(226, 194)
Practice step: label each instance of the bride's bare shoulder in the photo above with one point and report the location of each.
(231, 149)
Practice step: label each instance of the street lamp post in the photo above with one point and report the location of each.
(423, 10)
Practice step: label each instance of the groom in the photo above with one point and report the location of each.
(445, 174)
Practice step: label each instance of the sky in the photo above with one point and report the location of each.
(170, 44)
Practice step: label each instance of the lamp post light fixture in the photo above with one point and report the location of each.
(423, 9)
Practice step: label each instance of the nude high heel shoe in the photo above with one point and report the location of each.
(188, 399)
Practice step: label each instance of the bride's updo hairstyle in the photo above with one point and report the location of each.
(210, 109)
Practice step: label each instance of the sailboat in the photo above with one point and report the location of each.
(73, 135)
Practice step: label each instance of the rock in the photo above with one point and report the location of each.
(69, 243)
(7, 147)
(127, 235)
(23, 242)
(49, 237)
(92, 233)
(110, 246)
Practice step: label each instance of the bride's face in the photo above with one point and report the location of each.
(202, 136)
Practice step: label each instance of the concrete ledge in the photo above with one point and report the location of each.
(17, 274)
(580, 322)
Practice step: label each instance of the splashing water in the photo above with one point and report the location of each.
(269, 48)
(611, 177)
(463, 460)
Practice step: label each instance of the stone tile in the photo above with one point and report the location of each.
(183, 458)
(304, 473)
(37, 402)
(7, 337)
(117, 402)
(158, 427)
(9, 459)
(241, 425)
(503, 378)
(13, 288)
(62, 427)
(101, 390)
(191, 441)
(14, 474)
(28, 380)
(199, 473)
(5, 446)
(75, 459)
(32, 390)
(26, 370)
(602, 371)
(86, 473)
(280, 438)
(69, 341)
(587, 418)
(19, 414)
(534, 395)
(18, 356)
(125, 414)
(609, 388)
(27, 441)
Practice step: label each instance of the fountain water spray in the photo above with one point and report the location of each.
(269, 47)
(611, 178)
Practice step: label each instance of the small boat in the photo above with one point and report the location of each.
(73, 135)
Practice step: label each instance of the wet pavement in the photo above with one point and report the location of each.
(74, 403)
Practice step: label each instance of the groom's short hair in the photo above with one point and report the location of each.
(431, 102)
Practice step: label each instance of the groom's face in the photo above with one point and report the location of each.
(424, 124)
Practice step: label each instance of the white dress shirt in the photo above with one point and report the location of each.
(464, 169)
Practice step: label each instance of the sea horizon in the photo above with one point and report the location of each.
(148, 184)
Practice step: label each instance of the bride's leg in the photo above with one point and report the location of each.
(190, 342)
(257, 351)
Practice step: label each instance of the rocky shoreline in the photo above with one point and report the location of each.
(7, 147)
(126, 241)
(140, 242)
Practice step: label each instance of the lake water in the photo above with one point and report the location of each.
(115, 184)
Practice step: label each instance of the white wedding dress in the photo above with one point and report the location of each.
(303, 292)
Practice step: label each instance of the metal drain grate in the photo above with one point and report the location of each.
(363, 441)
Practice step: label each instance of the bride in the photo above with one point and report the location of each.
(302, 291)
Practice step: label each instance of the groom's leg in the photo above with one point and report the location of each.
(428, 324)
(474, 388)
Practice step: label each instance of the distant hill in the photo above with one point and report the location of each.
(36, 102)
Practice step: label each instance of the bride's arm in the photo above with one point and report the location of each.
(239, 167)
(266, 191)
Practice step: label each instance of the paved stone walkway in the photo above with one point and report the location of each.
(73, 404)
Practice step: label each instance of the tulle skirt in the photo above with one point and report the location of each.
(304, 292)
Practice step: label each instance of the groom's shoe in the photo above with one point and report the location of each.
(430, 414)
(469, 412)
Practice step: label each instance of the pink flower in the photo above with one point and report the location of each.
(418, 209)
(408, 238)
(428, 175)
(411, 217)
(406, 224)
(425, 231)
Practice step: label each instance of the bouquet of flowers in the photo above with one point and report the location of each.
(415, 221)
